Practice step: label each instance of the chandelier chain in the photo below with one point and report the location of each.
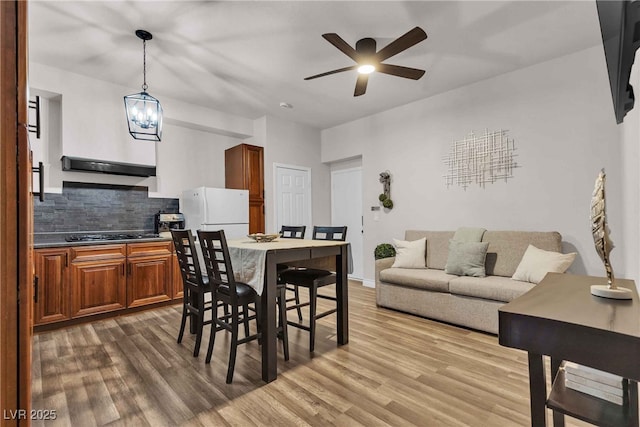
(144, 65)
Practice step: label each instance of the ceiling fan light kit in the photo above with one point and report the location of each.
(144, 112)
(368, 60)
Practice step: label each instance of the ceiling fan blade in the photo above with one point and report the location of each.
(339, 70)
(397, 70)
(361, 84)
(403, 42)
(344, 47)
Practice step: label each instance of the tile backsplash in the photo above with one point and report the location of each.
(98, 207)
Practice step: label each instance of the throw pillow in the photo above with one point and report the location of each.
(410, 254)
(466, 258)
(536, 263)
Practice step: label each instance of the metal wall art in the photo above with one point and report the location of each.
(480, 159)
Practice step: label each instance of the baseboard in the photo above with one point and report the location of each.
(369, 283)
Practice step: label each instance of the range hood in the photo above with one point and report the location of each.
(100, 166)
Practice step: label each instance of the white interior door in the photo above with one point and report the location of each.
(293, 197)
(346, 209)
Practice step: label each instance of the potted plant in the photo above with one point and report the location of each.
(384, 250)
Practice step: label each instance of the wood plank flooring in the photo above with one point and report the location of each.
(397, 370)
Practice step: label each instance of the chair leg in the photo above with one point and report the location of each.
(183, 322)
(282, 311)
(212, 335)
(246, 320)
(297, 299)
(313, 294)
(234, 347)
(200, 325)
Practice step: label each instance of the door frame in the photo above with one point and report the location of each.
(276, 189)
(333, 205)
(16, 264)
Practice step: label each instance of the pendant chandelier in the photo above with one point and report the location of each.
(144, 112)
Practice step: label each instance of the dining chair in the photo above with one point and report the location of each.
(236, 295)
(291, 232)
(195, 285)
(313, 279)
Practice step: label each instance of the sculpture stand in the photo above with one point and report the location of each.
(605, 291)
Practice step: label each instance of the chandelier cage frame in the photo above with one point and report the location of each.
(144, 112)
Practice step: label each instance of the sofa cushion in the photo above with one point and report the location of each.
(506, 248)
(430, 279)
(437, 246)
(466, 258)
(410, 254)
(536, 263)
(495, 288)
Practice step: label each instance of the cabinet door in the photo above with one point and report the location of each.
(53, 296)
(98, 286)
(149, 280)
(176, 278)
(255, 172)
(256, 216)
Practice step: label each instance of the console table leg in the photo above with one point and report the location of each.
(558, 417)
(537, 390)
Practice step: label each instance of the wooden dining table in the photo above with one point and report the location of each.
(255, 263)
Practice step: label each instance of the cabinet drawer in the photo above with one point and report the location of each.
(98, 252)
(149, 249)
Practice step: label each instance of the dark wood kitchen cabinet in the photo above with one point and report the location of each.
(52, 292)
(244, 169)
(149, 278)
(98, 279)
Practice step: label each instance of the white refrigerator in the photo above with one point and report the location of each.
(210, 209)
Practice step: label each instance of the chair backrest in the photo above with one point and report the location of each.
(215, 253)
(185, 247)
(330, 233)
(293, 231)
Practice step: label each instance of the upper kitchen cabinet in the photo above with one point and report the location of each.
(244, 169)
(92, 123)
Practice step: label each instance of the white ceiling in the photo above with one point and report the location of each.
(245, 57)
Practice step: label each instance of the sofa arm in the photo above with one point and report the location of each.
(383, 264)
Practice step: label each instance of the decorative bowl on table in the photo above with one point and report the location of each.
(261, 237)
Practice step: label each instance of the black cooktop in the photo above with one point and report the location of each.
(107, 236)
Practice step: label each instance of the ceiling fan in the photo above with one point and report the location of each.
(368, 60)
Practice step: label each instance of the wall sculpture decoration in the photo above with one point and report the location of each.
(385, 196)
(480, 159)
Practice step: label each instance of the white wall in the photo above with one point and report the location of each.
(560, 115)
(85, 117)
(189, 158)
(295, 144)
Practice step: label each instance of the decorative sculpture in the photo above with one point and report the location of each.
(603, 243)
(385, 196)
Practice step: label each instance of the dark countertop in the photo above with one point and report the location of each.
(57, 240)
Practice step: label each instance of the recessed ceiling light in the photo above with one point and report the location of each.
(286, 105)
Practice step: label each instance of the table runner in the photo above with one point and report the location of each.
(248, 258)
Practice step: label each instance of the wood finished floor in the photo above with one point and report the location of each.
(397, 370)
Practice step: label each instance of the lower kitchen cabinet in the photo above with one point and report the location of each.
(51, 300)
(149, 278)
(81, 281)
(98, 279)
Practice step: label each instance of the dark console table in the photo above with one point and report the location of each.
(561, 319)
